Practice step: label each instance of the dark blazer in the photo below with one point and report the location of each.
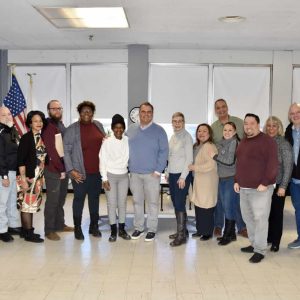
(27, 154)
(8, 149)
(289, 137)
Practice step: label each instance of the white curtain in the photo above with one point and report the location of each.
(246, 89)
(48, 82)
(179, 87)
(105, 85)
(296, 84)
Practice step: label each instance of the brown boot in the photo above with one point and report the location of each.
(218, 232)
(243, 232)
(52, 236)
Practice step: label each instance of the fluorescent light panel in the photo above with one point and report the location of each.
(85, 17)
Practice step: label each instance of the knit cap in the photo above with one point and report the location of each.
(117, 119)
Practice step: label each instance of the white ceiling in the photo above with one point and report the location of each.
(192, 24)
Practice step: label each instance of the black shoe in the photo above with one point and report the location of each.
(248, 249)
(30, 236)
(113, 234)
(94, 230)
(78, 233)
(256, 258)
(149, 236)
(23, 231)
(15, 230)
(205, 237)
(173, 236)
(6, 237)
(274, 248)
(224, 241)
(137, 234)
(122, 232)
(196, 235)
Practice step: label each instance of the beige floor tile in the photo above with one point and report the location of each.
(190, 296)
(97, 269)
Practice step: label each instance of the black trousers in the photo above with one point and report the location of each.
(276, 218)
(56, 192)
(91, 187)
(204, 220)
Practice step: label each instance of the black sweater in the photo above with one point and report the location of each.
(289, 137)
(27, 154)
(8, 149)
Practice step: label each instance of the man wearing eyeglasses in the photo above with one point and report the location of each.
(55, 175)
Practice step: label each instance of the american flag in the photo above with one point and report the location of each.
(16, 103)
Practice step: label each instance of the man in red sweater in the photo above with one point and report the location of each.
(55, 175)
(256, 170)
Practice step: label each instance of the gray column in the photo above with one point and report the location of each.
(3, 75)
(137, 75)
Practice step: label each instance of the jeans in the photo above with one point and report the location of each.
(56, 191)
(227, 195)
(178, 196)
(295, 196)
(228, 203)
(255, 208)
(145, 187)
(9, 214)
(91, 186)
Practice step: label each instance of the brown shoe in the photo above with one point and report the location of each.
(68, 228)
(217, 231)
(52, 236)
(243, 232)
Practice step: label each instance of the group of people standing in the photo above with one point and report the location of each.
(232, 170)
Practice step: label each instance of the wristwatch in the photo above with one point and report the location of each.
(4, 177)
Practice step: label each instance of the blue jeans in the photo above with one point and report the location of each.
(178, 196)
(9, 214)
(295, 195)
(227, 196)
(229, 204)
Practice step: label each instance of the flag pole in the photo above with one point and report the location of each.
(29, 98)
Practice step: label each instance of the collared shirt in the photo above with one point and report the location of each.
(296, 147)
(146, 126)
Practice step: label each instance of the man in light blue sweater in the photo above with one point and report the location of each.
(148, 154)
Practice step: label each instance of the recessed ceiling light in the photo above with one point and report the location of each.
(232, 19)
(85, 17)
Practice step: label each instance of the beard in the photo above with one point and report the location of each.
(54, 118)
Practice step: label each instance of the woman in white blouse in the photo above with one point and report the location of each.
(114, 155)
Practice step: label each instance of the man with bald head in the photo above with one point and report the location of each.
(292, 134)
(10, 223)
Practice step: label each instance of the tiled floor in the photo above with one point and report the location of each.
(97, 269)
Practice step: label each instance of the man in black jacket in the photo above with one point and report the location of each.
(9, 215)
(292, 134)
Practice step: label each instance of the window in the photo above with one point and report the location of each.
(179, 87)
(48, 82)
(245, 88)
(105, 85)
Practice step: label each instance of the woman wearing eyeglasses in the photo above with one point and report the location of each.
(82, 143)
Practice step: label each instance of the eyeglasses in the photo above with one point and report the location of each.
(56, 108)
